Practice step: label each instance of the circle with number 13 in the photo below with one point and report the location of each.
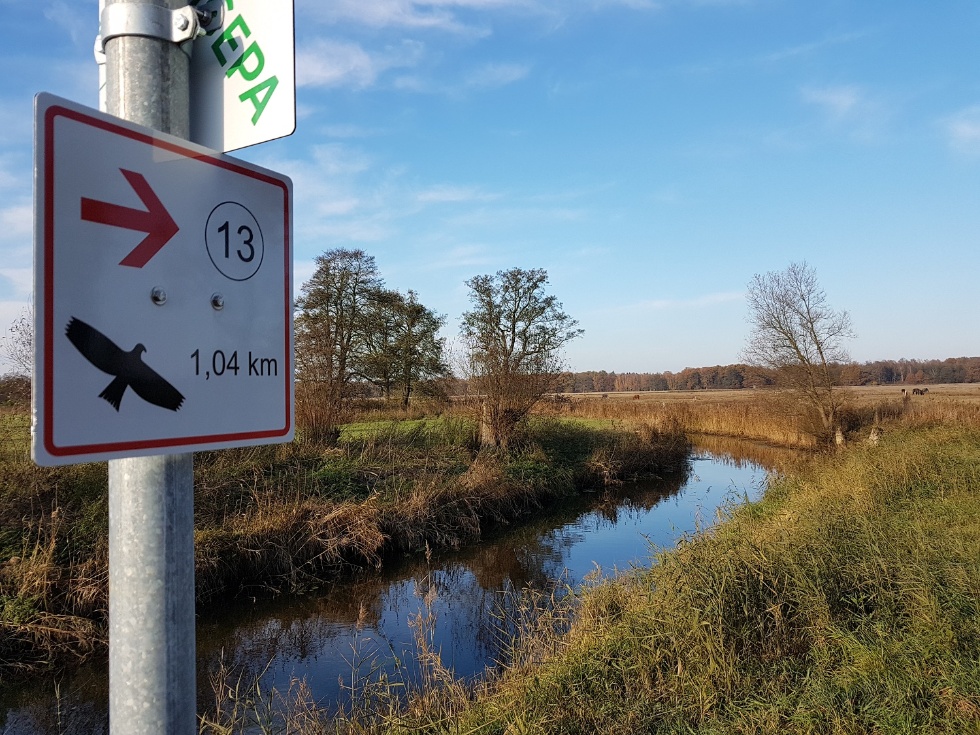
(234, 241)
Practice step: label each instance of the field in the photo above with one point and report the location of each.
(776, 416)
(844, 602)
(864, 394)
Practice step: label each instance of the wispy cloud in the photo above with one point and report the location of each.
(850, 109)
(347, 131)
(451, 194)
(17, 220)
(697, 302)
(331, 63)
(461, 17)
(496, 75)
(963, 130)
(630, 4)
(74, 18)
(438, 15)
(812, 47)
(837, 102)
(17, 282)
(463, 256)
(487, 76)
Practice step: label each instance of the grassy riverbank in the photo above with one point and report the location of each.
(846, 601)
(287, 517)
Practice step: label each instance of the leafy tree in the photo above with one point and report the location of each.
(797, 334)
(514, 336)
(329, 329)
(403, 346)
(378, 361)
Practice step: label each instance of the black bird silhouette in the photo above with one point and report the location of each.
(127, 367)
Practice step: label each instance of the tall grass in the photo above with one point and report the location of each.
(845, 602)
(770, 417)
(773, 416)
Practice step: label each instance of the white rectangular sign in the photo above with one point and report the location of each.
(163, 290)
(243, 88)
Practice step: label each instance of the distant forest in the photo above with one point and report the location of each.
(880, 372)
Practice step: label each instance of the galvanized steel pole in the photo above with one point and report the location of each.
(152, 686)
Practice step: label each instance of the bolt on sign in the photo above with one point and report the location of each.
(243, 88)
(163, 282)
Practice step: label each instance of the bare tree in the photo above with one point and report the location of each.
(797, 334)
(18, 343)
(514, 334)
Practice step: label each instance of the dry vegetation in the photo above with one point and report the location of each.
(288, 516)
(774, 416)
(843, 602)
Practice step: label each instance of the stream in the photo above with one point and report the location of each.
(461, 604)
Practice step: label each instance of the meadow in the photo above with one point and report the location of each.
(843, 602)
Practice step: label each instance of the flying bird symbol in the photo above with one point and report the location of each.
(128, 368)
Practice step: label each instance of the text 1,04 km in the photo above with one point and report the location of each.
(223, 364)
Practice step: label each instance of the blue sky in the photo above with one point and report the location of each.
(651, 155)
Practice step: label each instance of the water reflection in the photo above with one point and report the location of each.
(342, 635)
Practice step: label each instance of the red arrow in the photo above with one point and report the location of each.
(155, 220)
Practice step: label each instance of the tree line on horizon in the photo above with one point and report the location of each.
(720, 377)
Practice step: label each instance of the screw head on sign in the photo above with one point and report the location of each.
(158, 296)
(217, 301)
(182, 23)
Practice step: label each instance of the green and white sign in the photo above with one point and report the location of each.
(243, 79)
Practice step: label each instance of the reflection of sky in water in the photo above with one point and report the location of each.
(625, 540)
(342, 636)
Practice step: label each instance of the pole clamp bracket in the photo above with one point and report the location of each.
(153, 21)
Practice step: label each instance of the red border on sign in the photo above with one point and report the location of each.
(50, 115)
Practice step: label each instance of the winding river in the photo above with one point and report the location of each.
(457, 603)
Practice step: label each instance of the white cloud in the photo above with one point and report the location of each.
(462, 256)
(17, 242)
(347, 131)
(392, 13)
(329, 63)
(444, 194)
(21, 280)
(837, 102)
(697, 302)
(303, 271)
(496, 75)
(631, 4)
(445, 15)
(963, 130)
(851, 110)
(806, 49)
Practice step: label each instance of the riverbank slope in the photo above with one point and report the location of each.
(846, 601)
(288, 517)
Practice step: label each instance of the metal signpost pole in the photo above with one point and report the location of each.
(151, 499)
